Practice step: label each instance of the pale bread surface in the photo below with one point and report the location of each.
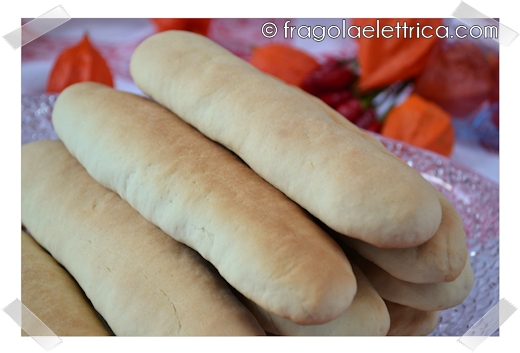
(140, 280)
(289, 140)
(406, 321)
(262, 243)
(366, 316)
(53, 295)
(426, 297)
(339, 119)
(440, 259)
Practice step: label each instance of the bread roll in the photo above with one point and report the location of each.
(140, 280)
(366, 316)
(440, 259)
(406, 321)
(51, 294)
(289, 140)
(262, 243)
(340, 120)
(426, 297)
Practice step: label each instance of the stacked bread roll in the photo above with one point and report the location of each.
(433, 276)
(292, 221)
(142, 282)
(408, 239)
(51, 294)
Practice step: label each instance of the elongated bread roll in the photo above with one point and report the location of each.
(440, 259)
(366, 316)
(339, 119)
(262, 243)
(289, 140)
(406, 321)
(140, 280)
(426, 297)
(51, 294)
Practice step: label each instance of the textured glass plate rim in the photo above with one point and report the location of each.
(482, 250)
(389, 141)
(40, 117)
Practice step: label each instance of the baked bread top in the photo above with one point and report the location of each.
(288, 139)
(201, 194)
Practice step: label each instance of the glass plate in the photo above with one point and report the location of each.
(475, 197)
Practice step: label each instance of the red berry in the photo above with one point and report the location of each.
(366, 118)
(375, 126)
(350, 109)
(334, 99)
(332, 76)
(368, 121)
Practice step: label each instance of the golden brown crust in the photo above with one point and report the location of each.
(406, 321)
(287, 138)
(261, 242)
(140, 280)
(51, 293)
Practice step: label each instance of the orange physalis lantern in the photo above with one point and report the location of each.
(289, 64)
(196, 25)
(420, 123)
(402, 54)
(78, 63)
